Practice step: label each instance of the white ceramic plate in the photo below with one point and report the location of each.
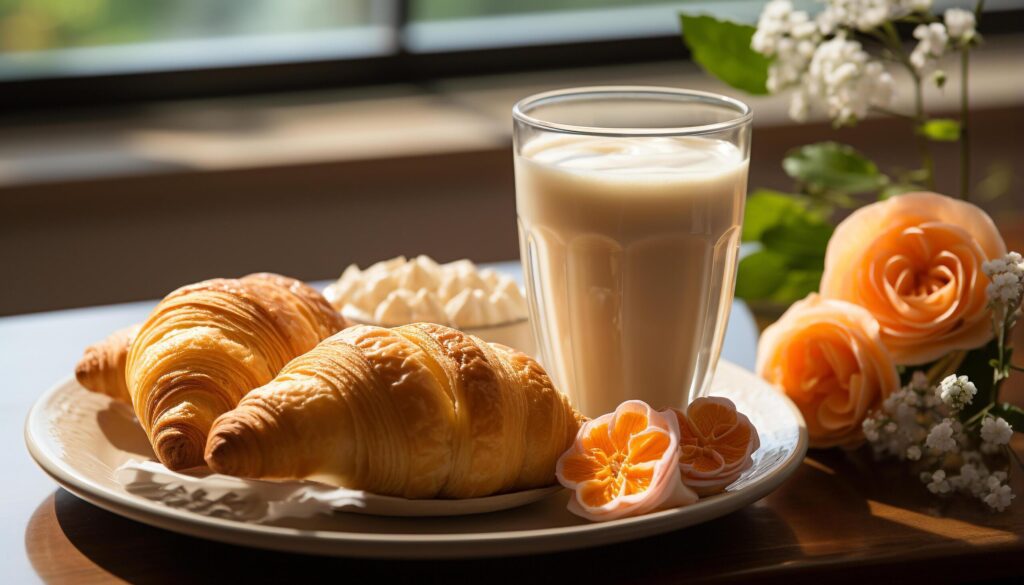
(81, 439)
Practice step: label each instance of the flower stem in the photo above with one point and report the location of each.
(895, 45)
(922, 141)
(978, 415)
(965, 148)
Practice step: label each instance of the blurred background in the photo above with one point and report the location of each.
(145, 144)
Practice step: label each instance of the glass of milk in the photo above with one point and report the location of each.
(629, 202)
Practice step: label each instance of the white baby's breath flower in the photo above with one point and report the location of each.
(996, 430)
(870, 428)
(919, 380)
(940, 437)
(938, 483)
(866, 15)
(999, 497)
(968, 477)
(913, 453)
(1007, 276)
(932, 40)
(788, 36)
(960, 23)
(846, 81)
(956, 392)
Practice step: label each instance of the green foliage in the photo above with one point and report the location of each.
(829, 166)
(895, 189)
(760, 274)
(722, 48)
(767, 208)
(977, 366)
(941, 130)
(793, 235)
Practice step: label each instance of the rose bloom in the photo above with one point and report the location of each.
(914, 262)
(828, 357)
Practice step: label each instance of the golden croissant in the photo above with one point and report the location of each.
(101, 368)
(207, 344)
(418, 411)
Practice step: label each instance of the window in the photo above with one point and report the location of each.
(259, 45)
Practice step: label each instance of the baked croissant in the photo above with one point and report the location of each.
(207, 344)
(101, 368)
(418, 411)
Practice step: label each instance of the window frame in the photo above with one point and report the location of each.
(401, 65)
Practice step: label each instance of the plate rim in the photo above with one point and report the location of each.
(400, 545)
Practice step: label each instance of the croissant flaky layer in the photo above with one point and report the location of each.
(101, 368)
(418, 411)
(207, 344)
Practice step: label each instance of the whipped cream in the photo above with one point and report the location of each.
(399, 291)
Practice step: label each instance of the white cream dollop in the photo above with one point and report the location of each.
(398, 291)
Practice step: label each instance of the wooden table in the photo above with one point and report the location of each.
(842, 517)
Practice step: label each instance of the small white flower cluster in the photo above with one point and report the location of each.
(933, 39)
(957, 392)
(790, 36)
(931, 44)
(975, 479)
(866, 15)
(996, 431)
(918, 422)
(847, 80)
(960, 24)
(1007, 276)
(830, 70)
(901, 427)
(837, 74)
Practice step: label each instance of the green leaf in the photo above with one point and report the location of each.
(897, 189)
(760, 274)
(797, 285)
(941, 130)
(1012, 414)
(802, 241)
(976, 366)
(835, 167)
(722, 48)
(766, 209)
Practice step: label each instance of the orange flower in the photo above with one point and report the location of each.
(828, 357)
(914, 262)
(716, 444)
(624, 464)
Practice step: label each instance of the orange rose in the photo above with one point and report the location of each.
(828, 357)
(914, 262)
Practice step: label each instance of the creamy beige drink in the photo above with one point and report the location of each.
(629, 246)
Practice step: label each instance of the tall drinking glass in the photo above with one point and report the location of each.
(630, 201)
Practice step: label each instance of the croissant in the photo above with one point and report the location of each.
(207, 344)
(101, 368)
(418, 411)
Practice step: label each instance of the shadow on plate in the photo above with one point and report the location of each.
(122, 430)
(69, 539)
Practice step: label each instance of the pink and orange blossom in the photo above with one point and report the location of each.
(624, 463)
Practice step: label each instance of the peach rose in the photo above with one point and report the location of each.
(828, 357)
(914, 262)
(716, 444)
